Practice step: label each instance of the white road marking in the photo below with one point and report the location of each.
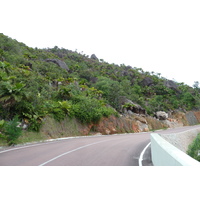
(45, 142)
(68, 152)
(142, 154)
(49, 141)
(22, 147)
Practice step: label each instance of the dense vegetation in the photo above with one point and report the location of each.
(32, 88)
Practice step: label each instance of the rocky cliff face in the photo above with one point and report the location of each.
(129, 123)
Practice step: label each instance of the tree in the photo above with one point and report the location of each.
(188, 100)
(112, 90)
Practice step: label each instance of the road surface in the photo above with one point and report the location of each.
(112, 150)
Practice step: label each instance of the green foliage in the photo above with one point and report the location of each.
(68, 91)
(11, 130)
(33, 88)
(89, 110)
(112, 90)
(58, 109)
(188, 100)
(34, 120)
(194, 148)
(2, 123)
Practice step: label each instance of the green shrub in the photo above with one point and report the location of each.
(194, 148)
(58, 109)
(11, 131)
(34, 120)
(107, 111)
(89, 110)
(32, 114)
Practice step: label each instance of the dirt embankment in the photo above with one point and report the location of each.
(123, 124)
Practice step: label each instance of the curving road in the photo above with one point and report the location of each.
(112, 150)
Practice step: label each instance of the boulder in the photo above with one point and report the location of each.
(142, 127)
(58, 62)
(124, 73)
(141, 119)
(161, 115)
(93, 56)
(171, 84)
(129, 106)
(147, 81)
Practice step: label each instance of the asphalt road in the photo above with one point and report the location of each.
(111, 150)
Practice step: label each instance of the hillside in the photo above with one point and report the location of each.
(60, 83)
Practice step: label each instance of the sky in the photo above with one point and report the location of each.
(162, 36)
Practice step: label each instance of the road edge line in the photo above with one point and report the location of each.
(142, 154)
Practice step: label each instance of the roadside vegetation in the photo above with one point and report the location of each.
(11, 130)
(90, 88)
(194, 148)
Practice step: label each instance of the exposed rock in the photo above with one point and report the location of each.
(141, 119)
(129, 112)
(112, 125)
(161, 115)
(58, 62)
(129, 67)
(127, 71)
(147, 81)
(197, 115)
(180, 117)
(97, 134)
(142, 127)
(127, 106)
(22, 125)
(93, 56)
(172, 123)
(191, 118)
(171, 84)
(155, 124)
(107, 131)
(142, 123)
(124, 73)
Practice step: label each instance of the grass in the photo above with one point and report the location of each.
(65, 128)
(27, 137)
(51, 129)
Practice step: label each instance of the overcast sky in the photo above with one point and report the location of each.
(156, 35)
